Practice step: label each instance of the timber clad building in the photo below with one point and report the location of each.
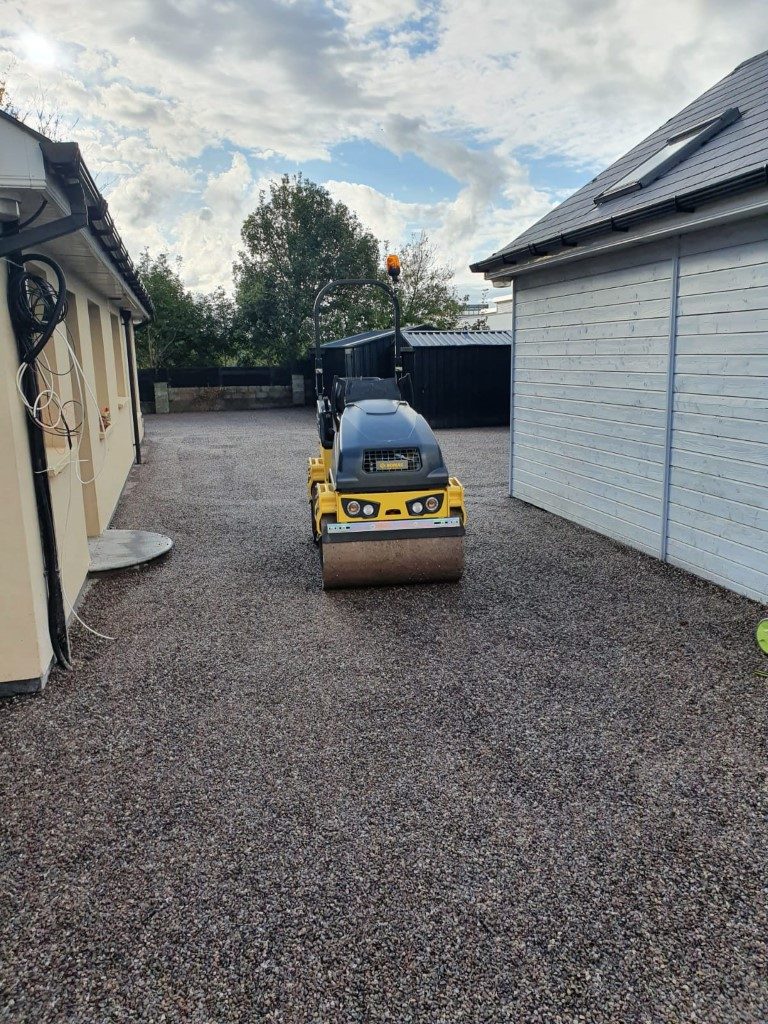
(640, 356)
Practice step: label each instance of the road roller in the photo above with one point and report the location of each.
(384, 508)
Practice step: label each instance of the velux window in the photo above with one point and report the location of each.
(676, 149)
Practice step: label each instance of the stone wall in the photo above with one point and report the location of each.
(227, 398)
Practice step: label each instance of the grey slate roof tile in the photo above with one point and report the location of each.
(741, 147)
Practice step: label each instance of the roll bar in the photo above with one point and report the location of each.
(327, 289)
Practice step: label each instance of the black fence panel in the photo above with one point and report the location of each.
(147, 380)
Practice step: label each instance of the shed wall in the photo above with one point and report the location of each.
(718, 497)
(373, 359)
(590, 386)
(640, 399)
(462, 385)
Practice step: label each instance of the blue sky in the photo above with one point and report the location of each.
(468, 119)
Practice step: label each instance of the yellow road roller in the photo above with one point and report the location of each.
(384, 507)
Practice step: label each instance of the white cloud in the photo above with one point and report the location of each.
(365, 16)
(208, 237)
(389, 219)
(147, 196)
(471, 87)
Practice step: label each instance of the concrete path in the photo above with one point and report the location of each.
(531, 797)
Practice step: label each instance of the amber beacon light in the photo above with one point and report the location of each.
(393, 266)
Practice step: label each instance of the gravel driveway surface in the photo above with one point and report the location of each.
(530, 797)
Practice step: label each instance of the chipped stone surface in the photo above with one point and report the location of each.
(534, 796)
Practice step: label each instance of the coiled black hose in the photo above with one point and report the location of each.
(36, 306)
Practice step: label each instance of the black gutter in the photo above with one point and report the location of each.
(65, 159)
(15, 240)
(126, 317)
(686, 202)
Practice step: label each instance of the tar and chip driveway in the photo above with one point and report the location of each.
(533, 796)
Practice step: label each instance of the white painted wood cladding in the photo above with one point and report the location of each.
(591, 392)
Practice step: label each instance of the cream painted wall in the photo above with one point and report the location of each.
(111, 454)
(25, 650)
(80, 509)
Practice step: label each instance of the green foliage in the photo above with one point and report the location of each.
(188, 329)
(296, 240)
(426, 294)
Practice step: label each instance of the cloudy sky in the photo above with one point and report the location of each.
(467, 118)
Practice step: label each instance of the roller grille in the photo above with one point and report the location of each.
(375, 460)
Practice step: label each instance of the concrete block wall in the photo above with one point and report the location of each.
(225, 398)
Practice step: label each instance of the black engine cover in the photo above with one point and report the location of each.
(380, 430)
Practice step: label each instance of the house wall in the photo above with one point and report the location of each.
(500, 317)
(80, 509)
(640, 399)
(22, 594)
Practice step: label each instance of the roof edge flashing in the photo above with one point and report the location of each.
(686, 202)
(663, 227)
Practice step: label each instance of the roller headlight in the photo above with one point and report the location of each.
(426, 505)
(368, 510)
(353, 508)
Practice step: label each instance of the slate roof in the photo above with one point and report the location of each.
(455, 339)
(734, 160)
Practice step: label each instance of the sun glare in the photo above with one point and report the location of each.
(38, 50)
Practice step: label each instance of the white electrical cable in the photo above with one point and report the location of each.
(48, 397)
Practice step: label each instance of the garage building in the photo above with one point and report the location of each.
(640, 361)
(459, 378)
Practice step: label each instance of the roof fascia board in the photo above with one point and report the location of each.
(735, 208)
(52, 160)
(21, 159)
(54, 195)
(123, 285)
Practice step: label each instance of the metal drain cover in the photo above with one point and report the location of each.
(121, 549)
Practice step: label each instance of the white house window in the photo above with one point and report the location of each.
(676, 149)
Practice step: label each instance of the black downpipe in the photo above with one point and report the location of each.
(57, 615)
(12, 243)
(125, 315)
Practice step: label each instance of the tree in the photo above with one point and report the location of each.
(188, 329)
(426, 293)
(6, 101)
(296, 240)
(44, 115)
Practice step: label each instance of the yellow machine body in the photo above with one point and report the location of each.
(403, 551)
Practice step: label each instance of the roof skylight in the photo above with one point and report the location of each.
(676, 149)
